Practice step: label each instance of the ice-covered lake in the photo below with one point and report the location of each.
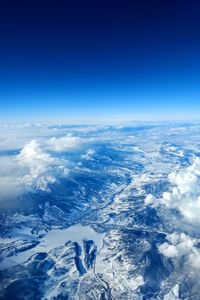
(52, 239)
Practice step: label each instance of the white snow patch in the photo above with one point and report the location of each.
(173, 294)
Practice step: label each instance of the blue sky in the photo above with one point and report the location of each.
(95, 61)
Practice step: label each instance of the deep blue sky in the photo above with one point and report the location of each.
(81, 60)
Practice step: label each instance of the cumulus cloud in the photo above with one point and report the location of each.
(185, 193)
(179, 246)
(33, 167)
(65, 143)
(38, 164)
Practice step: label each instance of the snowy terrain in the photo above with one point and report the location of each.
(100, 212)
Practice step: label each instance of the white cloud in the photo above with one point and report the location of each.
(65, 143)
(34, 158)
(185, 193)
(168, 250)
(16, 136)
(33, 167)
(38, 164)
(179, 246)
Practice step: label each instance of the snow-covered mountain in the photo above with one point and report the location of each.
(105, 212)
